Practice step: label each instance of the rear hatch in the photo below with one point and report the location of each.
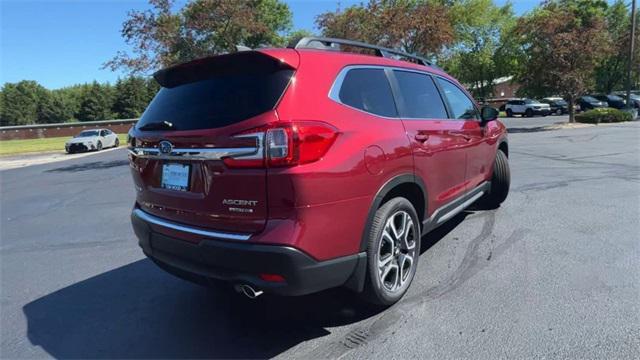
(188, 149)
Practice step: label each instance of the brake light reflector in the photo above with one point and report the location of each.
(272, 277)
(288, 144)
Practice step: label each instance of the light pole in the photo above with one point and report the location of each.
(631, 51)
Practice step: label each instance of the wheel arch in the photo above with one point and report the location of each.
(504, 147)
(409, 186)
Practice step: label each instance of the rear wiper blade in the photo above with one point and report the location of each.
(158, 125)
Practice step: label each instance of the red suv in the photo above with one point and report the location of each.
(290, 171)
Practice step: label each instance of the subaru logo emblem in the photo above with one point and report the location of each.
(165, 147)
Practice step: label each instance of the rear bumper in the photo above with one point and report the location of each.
(241, 262)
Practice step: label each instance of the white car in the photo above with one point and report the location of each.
(527, 107)
(94, 139)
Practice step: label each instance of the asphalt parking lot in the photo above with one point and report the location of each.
(554, 272)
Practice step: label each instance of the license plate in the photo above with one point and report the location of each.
(175, 177)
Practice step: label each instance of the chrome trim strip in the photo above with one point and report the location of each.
(213, 234)
(194, 153)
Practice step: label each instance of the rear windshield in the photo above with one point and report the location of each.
(216, 102)
(216, 92)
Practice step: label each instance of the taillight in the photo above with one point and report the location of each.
(288, 144)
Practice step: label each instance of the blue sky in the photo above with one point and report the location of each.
(60, 43)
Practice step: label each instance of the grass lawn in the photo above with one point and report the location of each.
(14, 147)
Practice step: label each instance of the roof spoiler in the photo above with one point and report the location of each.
(243, 62)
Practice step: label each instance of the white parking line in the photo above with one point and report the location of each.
(18, 161)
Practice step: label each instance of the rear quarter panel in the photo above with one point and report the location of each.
(330, 199)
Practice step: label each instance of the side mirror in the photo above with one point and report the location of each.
(488, 113)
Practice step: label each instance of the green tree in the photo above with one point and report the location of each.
(421, 27)
(564, 40)
(482, 51)
(72, 97)
(21, 102)
(152, 89)
(161, 37)
(611, 73)
(293, 37)
(131, 97)
(96, 103)
(53, 108)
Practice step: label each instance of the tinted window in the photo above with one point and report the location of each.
(217, 101)
(368, 90)
(421, 97)
(461, 106)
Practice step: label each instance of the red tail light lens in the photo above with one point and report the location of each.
(289, 144)
(314, 140)
(272, 278)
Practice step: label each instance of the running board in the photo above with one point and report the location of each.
(448, 211)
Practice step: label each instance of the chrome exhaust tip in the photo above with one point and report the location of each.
(248, 291)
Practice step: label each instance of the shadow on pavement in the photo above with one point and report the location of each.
(95, 165)
(440, 232)
(138, 311)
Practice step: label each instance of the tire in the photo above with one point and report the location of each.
(117, 143)
(559, 112)
(99, 145)
(529, 113)
(393, 251)
(509, 113)
(500, 182)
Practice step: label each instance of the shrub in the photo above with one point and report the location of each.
(603, 115)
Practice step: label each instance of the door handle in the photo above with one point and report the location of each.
(421, 137)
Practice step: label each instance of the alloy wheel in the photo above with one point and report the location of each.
(396, 251)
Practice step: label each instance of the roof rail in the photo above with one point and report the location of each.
(325, 43)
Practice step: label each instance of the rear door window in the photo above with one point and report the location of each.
(420, 95)
(461, 106)
(368, 90)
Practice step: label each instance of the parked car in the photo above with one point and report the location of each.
(635, 101)
(613, 101)
(557, 105)
(635, 97)
(94, 139)
(527, 107)
(290, 171)
(590, 102)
